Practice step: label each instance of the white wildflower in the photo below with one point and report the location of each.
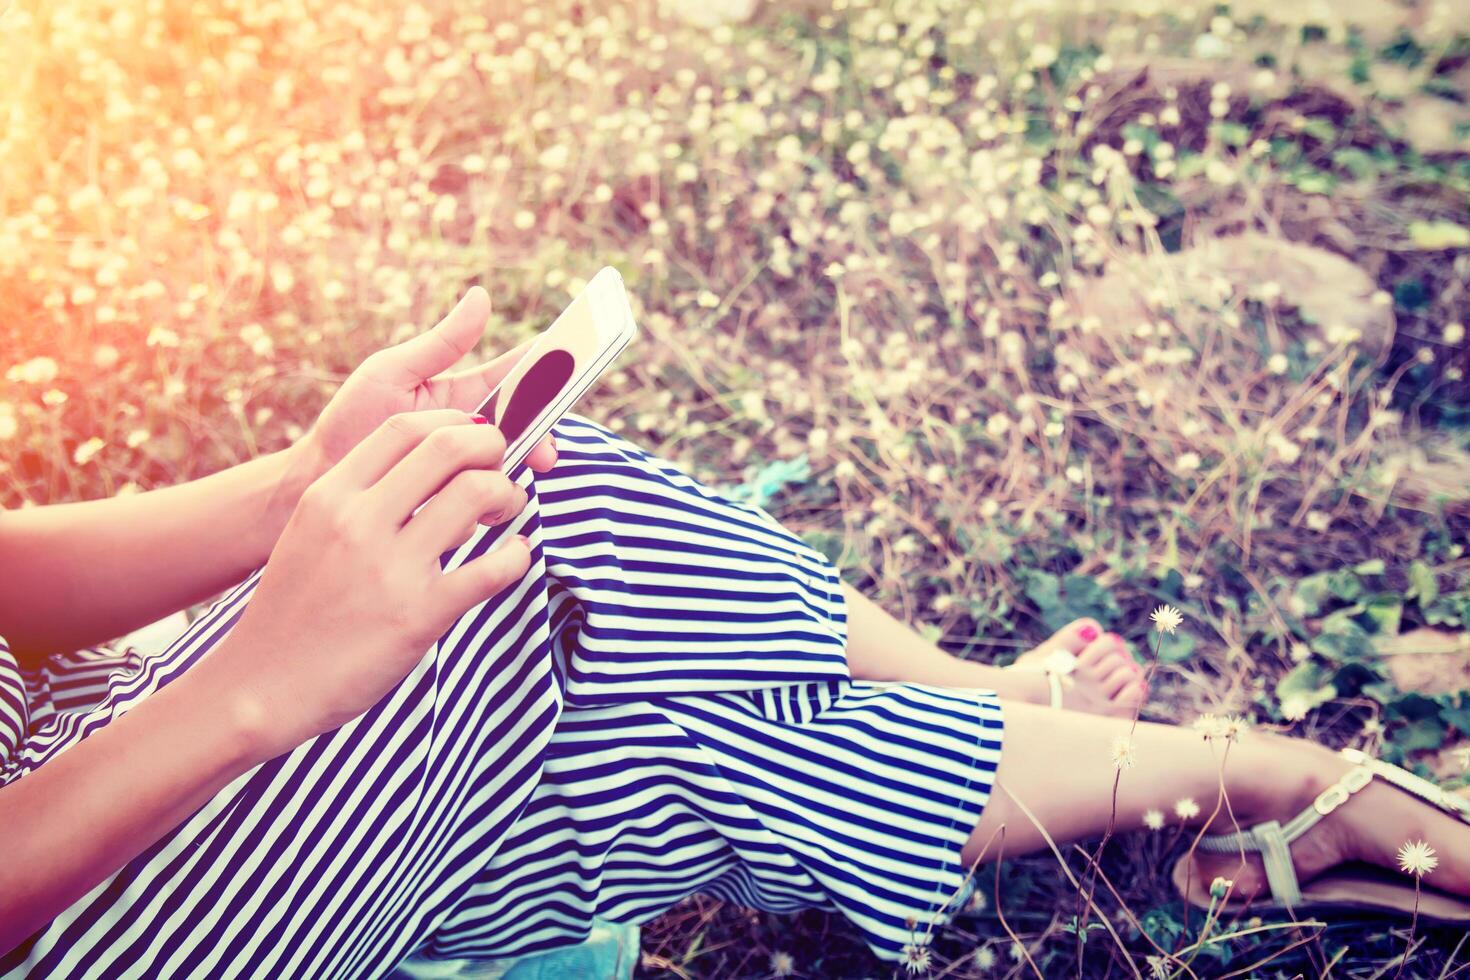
(83, 454)
(1295, 708)
(1210, 726)
(1122, 752)
(916, 958)
(1186, 809)
(1417, 859)
(1166, 619)
(36, 371)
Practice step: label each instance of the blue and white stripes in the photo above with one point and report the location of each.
(660, 707)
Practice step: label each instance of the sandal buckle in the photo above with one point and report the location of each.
(1339, 792)
(1356, 779)
(1330, 799)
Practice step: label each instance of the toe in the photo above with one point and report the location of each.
(1119, 678)
(1100, 654)
(1075, 636)
(1134, 693)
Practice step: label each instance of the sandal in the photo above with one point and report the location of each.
(1351, 887)
(1057, 666)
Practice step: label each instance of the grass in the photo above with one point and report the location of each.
(1018, 311)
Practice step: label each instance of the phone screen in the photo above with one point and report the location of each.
(562, 364)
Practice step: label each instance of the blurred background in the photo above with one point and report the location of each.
(1019, 311)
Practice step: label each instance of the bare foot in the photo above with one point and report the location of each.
(1369, 827)
(1106, 680)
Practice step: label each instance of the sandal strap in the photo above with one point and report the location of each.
(1272, 840)
(1054, 684)
(1057, 664)
(1430, 793)
(1275, 849)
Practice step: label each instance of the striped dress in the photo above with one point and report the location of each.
(660, 707)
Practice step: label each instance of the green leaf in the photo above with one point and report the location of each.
(1383, 691)
(1423, 733)
(1342, 638)
(1320, 128)
(1311, 593)
(1356, 676)
(1072, 597)
(1307, 685)
(1373, 566)
(1161, 926)
(1146, 135)
(1412, 706)
(1437, 236)
(1356, 162)
(1384, 612)
(1310, 180)
(1044, 589)
(1423, 585)
(1176, 647)
(1457, 716)
(1345, 585)
(1232, 133)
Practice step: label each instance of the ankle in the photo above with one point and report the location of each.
(1019, 684)
(1280, 777)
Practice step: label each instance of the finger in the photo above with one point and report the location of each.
(469, 388)
(486, 576)
(439, 457)
(470, 498)
(543, 457)
(439, 348)
(387, 445)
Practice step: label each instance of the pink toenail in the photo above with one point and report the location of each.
(1088, 633)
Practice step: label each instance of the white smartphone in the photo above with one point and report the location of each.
(565, 361)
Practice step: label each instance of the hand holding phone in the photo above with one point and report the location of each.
(562, 364)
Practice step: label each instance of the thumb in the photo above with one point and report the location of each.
(440, 347)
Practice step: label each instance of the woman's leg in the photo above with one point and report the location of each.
(1107, 679)
(1057, 774)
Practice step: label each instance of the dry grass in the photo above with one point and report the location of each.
(975, 263)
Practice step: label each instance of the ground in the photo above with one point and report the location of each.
(1018, 311)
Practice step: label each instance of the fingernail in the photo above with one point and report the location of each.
(524, 540)
(1088, 633)
(479, 420)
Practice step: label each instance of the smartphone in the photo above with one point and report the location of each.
(565, 361)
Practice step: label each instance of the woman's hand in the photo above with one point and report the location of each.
(101, 569)
(408, 378)
(354, 594)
